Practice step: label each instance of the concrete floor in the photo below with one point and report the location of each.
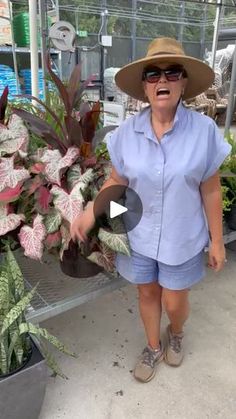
(108, 336)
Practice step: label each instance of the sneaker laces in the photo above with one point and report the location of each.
(150, 356)
(175, 342)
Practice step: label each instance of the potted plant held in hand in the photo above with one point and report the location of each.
(46, 189)
(23, 373)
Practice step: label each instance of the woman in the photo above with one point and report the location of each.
(170, 156)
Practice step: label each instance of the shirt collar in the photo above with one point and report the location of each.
(143, 120)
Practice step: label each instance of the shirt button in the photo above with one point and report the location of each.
(158, 172)
(158, 210)
(158, 192)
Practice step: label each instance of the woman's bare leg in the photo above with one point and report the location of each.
(150, 311)
(176, 305)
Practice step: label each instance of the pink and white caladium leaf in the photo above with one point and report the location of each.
(55, 163)
(117, 242)
(43, 198)
(105, 258)
(52, 221)
(9, 222)
(10, 194)
(69, 204)
(31, 238)
(53, 240)
(14, 137)
(10, 177)
(75, 177)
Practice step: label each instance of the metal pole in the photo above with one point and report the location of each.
(43, 31)
(216, 32)
(133, 30)
(60, 53)
(103, 49)
(203, 33)
(231, 101)
(34, 59)
(181, 27)
(13, 48)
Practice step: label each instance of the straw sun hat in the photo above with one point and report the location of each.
(165, 50)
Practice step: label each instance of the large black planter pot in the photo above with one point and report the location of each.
(77, 266)
(231, 219)
(22, 392)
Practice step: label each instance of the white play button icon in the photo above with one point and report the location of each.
(116, 209)
(118, 201)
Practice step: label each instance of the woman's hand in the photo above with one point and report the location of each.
(216, 258)
(82, 224)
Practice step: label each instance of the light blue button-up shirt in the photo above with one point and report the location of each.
(166, 175)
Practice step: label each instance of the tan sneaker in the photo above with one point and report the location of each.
(174, 352)
(145, 368)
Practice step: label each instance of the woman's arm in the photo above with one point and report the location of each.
(212, 202)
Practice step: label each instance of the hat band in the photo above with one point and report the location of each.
(164, 53)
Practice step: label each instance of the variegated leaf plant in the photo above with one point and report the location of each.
(15, 329)
(42, 192)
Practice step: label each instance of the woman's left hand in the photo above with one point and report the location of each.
(216, 258)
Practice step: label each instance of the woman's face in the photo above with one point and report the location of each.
(164, 90)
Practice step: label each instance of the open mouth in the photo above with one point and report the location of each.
(163, 92)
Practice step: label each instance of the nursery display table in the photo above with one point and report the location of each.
(57, 293)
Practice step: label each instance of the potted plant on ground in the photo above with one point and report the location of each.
(46, 188)
(23, 373)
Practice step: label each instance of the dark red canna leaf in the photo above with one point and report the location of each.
(73, 85)
(3, 104)
(62, 89)
(84, 108)
(50, 111)
(74, 131)
(41, 128)
(89, 122)
(96, 109)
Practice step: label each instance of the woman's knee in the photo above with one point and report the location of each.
(175, 301)
(150, 291)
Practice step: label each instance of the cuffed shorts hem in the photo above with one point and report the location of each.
(139, 269)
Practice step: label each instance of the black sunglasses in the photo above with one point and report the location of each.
(153, 75)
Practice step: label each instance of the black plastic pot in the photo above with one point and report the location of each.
(22, 392)
(76, 265)
(231, 219)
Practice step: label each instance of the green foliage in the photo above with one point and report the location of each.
(227, 202)
(153, 18)
(15, 330)
(101, 151)
(228, 176)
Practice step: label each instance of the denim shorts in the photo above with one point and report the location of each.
(139, 269)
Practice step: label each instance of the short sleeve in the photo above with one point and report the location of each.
(217, 151)
(115, 151)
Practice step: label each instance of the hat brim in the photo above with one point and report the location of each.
(200, 75)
